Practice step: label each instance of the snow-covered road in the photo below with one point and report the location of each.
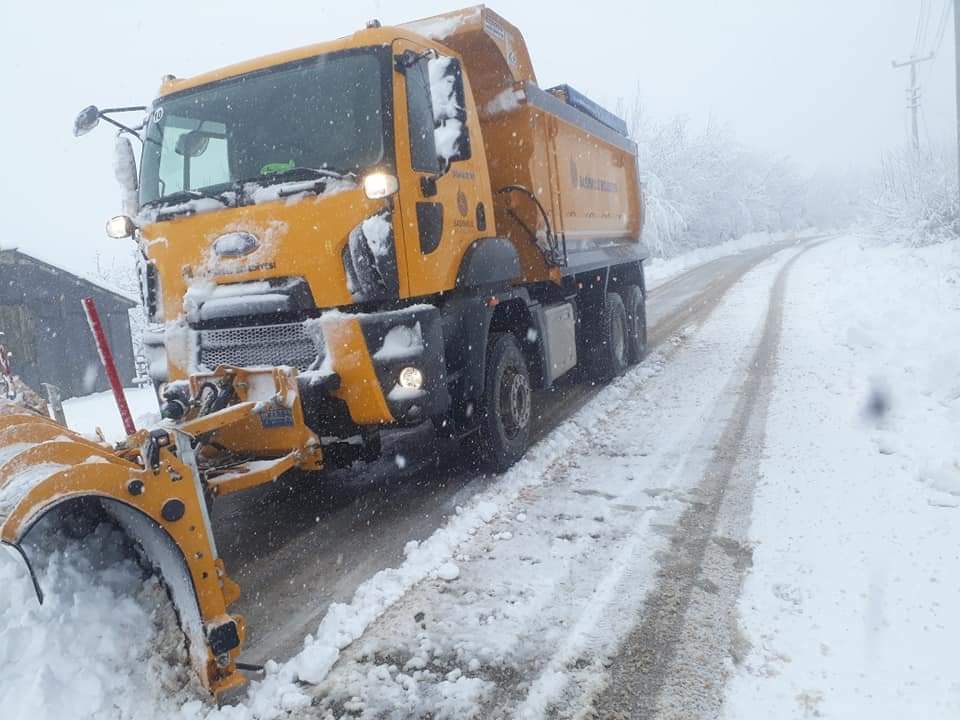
(606, 522)
(759, 521)
(285, 542)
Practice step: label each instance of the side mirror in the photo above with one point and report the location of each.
(121, 226)
(192, 144)
(87, 120)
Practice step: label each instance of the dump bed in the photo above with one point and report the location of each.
(583, 173)
(562, 167)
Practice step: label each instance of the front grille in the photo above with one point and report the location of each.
(258, 346)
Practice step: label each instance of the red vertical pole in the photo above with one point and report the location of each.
(106, 357)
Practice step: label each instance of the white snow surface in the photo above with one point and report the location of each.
(98, 410)
(438, 28)
(504, 101)
(295, 191)
(104, 644)
(846, 607)
(401, 341)
(125, 173)
(850, 605)
(659, 270)
(377, 230)
(449, 129)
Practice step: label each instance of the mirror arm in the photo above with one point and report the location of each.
(123, 128)
(132, 108)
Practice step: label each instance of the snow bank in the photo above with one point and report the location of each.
(104, 644)
(659, 270)
(849, 608)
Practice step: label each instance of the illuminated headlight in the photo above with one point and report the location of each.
(380, 185)
(120, 227)
(411, 378)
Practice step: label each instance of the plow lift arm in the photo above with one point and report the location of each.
(155, 486)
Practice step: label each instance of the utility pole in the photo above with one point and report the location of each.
(913, 92)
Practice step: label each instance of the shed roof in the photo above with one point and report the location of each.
(94, 283)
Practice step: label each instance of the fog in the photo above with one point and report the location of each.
(810, 80)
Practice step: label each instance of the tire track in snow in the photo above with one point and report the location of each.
(329, 539)
(673, 664)
(391, 640)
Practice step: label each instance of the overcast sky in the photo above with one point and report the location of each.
(809, 79)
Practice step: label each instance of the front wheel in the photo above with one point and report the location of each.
(507, 402)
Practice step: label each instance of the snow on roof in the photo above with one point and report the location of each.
(83, 277)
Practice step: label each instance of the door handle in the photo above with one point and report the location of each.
(428, 185)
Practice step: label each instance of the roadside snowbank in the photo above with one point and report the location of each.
(850, 606)
(660, 270)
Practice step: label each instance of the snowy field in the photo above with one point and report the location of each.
(524, 601)
(850, 607)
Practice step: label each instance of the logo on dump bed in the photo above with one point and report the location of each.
(462, 204)
(235, 244)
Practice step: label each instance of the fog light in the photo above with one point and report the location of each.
(411, 378)
(380, 185)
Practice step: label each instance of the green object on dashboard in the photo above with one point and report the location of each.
(277, 167)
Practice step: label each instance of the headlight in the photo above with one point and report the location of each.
(380, 185)
(120, 227)
(411, 378)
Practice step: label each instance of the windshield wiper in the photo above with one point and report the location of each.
(301, 173)
(182, 196)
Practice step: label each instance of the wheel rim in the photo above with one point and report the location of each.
(514, 402)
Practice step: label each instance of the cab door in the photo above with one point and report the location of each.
(444, 192)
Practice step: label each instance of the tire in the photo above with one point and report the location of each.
(609, 353)
(506, 412)
(636, 308)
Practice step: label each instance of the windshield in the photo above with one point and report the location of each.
(326, 113)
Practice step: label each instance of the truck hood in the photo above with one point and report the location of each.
(302, 238)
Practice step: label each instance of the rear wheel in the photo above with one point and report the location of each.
(609, 354)
(505, 420)
(636, 311)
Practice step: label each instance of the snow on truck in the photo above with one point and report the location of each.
(396, 227)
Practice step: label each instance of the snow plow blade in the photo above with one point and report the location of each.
(155, 486)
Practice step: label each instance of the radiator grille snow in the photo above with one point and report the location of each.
(257, 346)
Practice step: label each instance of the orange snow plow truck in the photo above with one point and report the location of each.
(393, 228)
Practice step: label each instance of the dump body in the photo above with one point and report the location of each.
(584, 173)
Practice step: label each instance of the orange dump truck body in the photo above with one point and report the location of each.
(578, 162)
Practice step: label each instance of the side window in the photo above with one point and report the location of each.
(423, 149)
(449, 110)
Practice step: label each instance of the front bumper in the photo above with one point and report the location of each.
(365, 351)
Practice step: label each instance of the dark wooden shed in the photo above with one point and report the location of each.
(46, 330)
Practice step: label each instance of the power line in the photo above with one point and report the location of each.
(942, 29)
(922, 22)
